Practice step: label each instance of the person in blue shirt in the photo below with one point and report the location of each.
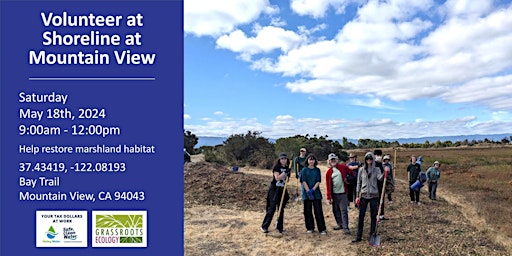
(433, 176)
(310, 179)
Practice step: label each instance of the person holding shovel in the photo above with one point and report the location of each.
(337, 190)
(367, 192)
(310, 178)
(275, 191)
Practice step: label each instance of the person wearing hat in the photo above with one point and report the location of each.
(337, 188)
(353, 165)
(390, 181)
(299, 162)
(433, 176)
(378, 163)
(275, 191)
(368, 193)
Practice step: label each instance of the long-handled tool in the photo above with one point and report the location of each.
(296, 195)
(375, 238)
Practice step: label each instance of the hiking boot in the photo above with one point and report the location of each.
(357, 240)
(338, 228)
(382, 217)
(323, 232)
(412, 202)
(309, 231)
(347, 231)
(264, 230)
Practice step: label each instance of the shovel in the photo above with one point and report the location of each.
(375, 238)
(296, 195)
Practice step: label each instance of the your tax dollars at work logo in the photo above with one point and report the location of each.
(123, 229)
(55, 228)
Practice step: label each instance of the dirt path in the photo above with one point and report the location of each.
(474, 218)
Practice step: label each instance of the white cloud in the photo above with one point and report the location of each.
(218, 113)
(385, 58)
(268, 38)
(286, 126)
(213, 18)
(318, 8)
(186, 116)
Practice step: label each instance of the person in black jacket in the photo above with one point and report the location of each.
(275, 191)
(378, 163)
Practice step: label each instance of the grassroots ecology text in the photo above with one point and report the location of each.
(92, 32)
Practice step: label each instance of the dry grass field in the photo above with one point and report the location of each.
(224, 210)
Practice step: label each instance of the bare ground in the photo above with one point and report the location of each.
(224, 211)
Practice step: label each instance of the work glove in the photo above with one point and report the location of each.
(386, 172)
(357, 202)
(310, 194)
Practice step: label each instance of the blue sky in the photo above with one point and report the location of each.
(348, 68)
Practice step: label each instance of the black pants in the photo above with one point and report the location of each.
(273, 201)
(316, 206)
(350, 193)
(374, 208)
(380, 185)
(415, 195)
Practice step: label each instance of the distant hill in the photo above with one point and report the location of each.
(213, 141)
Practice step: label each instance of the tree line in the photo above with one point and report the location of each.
(252, 149)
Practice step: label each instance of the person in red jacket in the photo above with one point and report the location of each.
(337, 188)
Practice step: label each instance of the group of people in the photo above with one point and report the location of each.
(364, 183)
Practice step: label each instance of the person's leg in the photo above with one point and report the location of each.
(434, 191)
(281, 212)
(362, 211)
(411, 193)
(374, 208)
(308, 214)
(336, 209)
(417, 194)
(319, 215)
(271, 208)
(390, 199)
(344, 211)
(430, 190)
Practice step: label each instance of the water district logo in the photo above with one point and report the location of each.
(119, 229)
(51, 233)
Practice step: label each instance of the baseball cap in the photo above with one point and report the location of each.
(332, 156)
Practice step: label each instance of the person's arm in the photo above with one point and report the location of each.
(328, 184)
(380, 174)
(409, 173)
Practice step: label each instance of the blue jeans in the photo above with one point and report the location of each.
(432, 189)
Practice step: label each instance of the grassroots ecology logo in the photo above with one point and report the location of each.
(119, 229)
